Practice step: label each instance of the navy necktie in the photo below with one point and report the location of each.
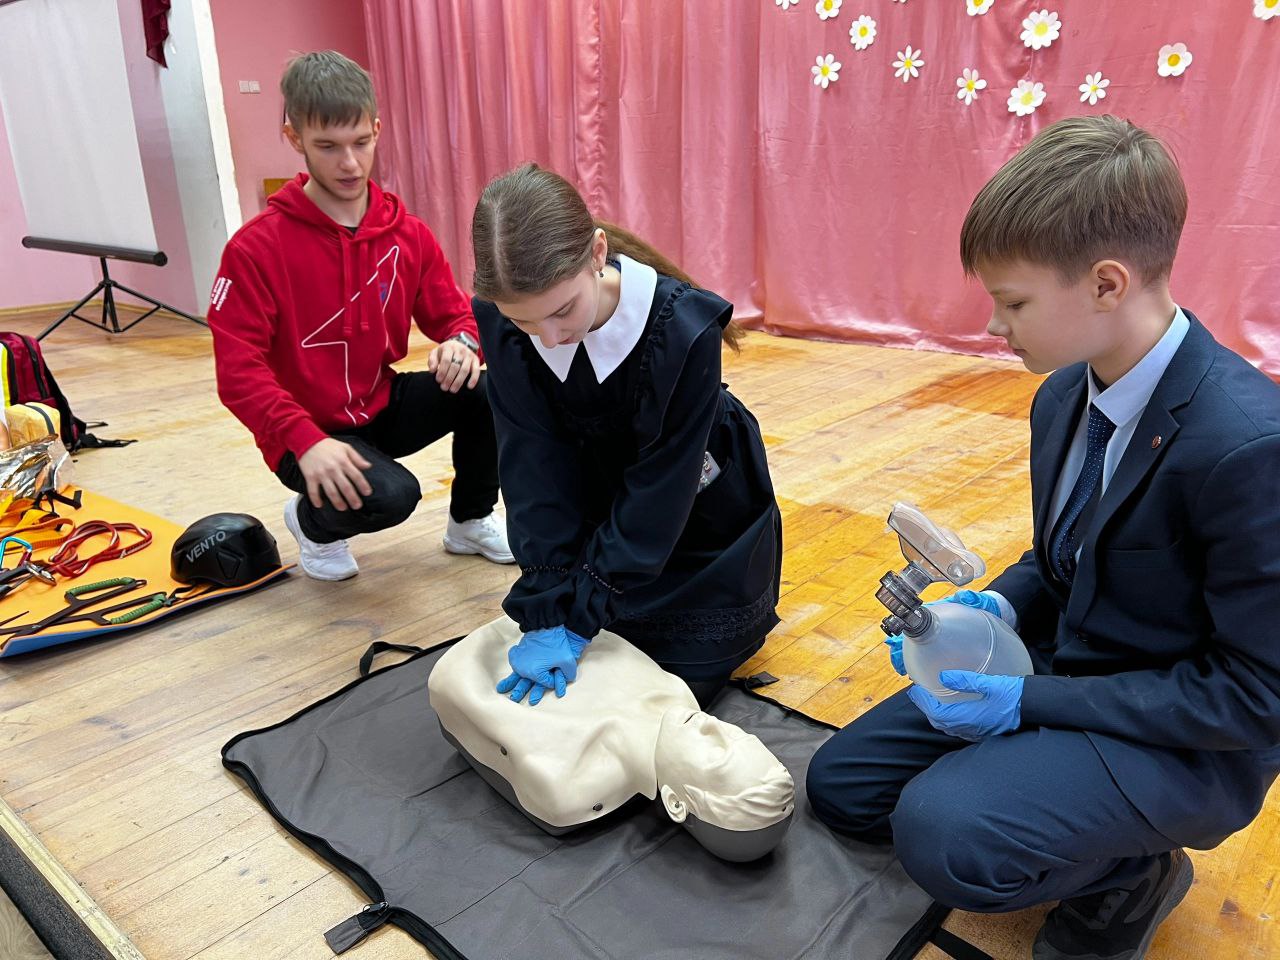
(1066, 534)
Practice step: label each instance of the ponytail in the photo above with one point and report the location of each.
(625, 242)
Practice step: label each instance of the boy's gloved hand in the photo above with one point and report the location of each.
(975, 598)
(970, 598)
(999, 711)
(543, 660)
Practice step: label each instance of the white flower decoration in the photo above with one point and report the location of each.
(863, 32)
(786, 4)
(1094, 88)
(969, 85)
(1040, 29)
(900, 1)
(1174, 60)
(826, 9)
(978, 7)
(826, 71)
(1266, 9)
(1025, 97)
(908, 64)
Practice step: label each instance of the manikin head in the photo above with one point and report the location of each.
(723, 784)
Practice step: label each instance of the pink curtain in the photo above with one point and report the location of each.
(831, 213)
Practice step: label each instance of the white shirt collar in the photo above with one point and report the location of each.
(1125, 399)
(611, 343)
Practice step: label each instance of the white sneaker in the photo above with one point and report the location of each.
(320, 561)
(486, 536)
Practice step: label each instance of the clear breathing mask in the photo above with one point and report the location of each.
(934, 554)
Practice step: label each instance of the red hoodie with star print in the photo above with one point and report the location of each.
(308, 317)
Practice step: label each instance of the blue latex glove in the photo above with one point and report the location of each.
(999, 711)
(541, 661)
(970, 598)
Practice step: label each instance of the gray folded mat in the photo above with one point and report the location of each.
(366, 780)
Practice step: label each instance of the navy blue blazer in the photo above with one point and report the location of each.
(1165, 651)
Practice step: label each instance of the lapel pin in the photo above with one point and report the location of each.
(1156, 441)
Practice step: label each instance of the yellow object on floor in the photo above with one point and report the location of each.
(33, 601)
(25, 422)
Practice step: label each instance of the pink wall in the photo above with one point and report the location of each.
(31, 276)
(255, 40)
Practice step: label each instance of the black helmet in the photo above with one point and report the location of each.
(229, 549)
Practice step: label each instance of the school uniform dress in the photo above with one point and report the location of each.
(1153, 718)
(602, 447)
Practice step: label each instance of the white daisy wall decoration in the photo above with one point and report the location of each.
(969, 83)
(977, 8)
(908, 64)
(786, 4)
(1026, 97)
(826, 9)
(826, 71)
(1094, 88)
(1266, 9)
(863, 32)
(1040, 29)
(1173, 60)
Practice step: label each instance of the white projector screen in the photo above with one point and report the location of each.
(65, 98)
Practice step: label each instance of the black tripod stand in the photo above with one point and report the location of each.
(110, 319)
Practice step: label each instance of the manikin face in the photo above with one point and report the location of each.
(339, 158)
(719, 773)
(1047, 323)
(566, 312)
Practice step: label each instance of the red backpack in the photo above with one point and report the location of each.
(26, 378)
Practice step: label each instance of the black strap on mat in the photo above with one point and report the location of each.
(953, 946)
(354, 929)
(382, 646)
(928, 929)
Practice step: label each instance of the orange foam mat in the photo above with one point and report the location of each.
(34, 600)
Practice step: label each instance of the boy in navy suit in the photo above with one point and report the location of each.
(1147, 600)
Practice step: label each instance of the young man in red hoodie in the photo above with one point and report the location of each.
(312, 306)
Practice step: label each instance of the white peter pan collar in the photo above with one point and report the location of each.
(611, 343)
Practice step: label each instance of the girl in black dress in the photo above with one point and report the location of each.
(637, 491)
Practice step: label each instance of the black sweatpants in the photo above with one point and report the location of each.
(418, 413)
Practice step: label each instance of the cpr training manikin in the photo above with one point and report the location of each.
(626, 727)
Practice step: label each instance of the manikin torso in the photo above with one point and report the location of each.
(625, 727)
